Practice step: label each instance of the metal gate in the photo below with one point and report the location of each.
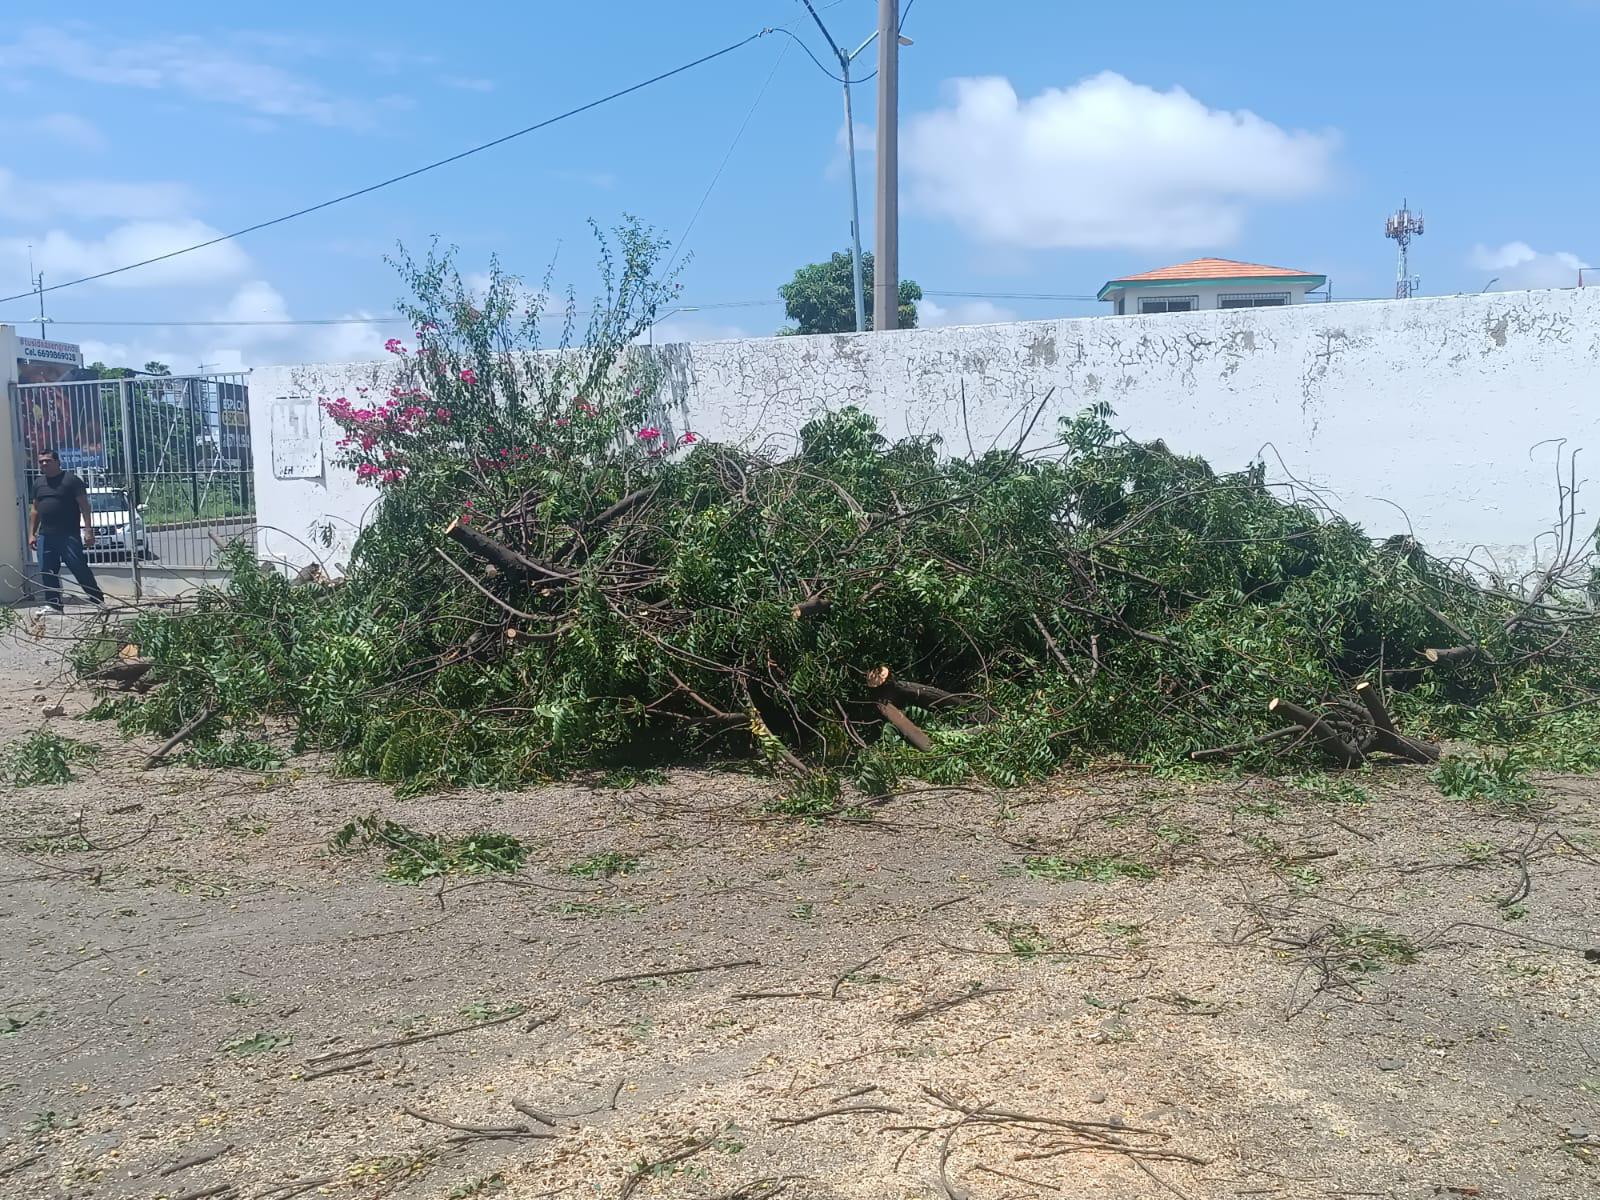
(167, 460)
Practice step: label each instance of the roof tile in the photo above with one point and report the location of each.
(1210, 268)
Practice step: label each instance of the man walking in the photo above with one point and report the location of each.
(60, 501)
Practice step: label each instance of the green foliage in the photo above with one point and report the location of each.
(1102, 599)
(43, 757)
(483, 1185)
(1366, 949)
(110, 708)
(821, 297)
(252, 754)
(412, 857)
(626, 779)
(1092, 868)
(1023, 942)
(488, 1010)
(256, 1043)
(604, 865)
(1500, 779)
(812, 797)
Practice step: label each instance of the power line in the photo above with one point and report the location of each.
(1008, 295)
(375, 320)
(836, 78)
(683, 238)
(499, 141)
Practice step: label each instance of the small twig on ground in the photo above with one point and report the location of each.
(535, 1114)
(413, 1039)
(221, 1189)
(839, 981)
(1049, 1187)
(194, 1160)
(336, 1069)
(843, 1110)
(298, 1187)
(498, 1131)
(639, 1173)
(939, 1006)
(13, 1168)
(665, 972)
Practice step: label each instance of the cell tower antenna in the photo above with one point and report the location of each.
(1402, 227)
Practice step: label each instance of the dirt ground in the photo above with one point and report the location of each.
(1349, 989)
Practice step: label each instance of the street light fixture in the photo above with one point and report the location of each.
(846, 57)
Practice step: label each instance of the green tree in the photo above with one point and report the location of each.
(821, 297)
(98, 370)
(157, 368)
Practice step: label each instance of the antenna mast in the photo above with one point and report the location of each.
(1402, 227)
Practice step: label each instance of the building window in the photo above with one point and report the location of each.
(1254, 300)
(1169, 304)
(1122, 306)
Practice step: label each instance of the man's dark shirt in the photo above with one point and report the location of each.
(57, 501)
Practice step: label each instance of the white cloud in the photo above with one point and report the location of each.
(1106, 162)
(930, 313)
(61, 255)
(186, 347)
(1519, 266)
(193, 66)
(89, 199)
(56, 130)
(467, 83)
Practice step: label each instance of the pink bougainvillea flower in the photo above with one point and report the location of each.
(441, 414)
(584, 406)
(649, 433)
(689, 439)
(395, 346)
(563, 422)
(468, 376)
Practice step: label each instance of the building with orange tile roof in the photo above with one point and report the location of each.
(1209, 283)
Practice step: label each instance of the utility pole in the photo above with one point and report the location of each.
(886, 260)
(38, 287)
(845, 58)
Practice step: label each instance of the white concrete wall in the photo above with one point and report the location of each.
(1439, 415)
(13, 512)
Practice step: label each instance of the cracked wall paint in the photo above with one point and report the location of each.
(1433, 414)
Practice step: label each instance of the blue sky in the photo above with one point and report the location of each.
(1046, 147)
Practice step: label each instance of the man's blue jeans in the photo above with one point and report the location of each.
(58, 548)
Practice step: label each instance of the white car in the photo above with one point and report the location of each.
(116, 530)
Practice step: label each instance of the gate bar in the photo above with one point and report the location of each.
(130, 486)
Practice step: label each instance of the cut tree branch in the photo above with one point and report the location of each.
(1341, 751)
(503, 557)
(904, 725)
(1390, 738)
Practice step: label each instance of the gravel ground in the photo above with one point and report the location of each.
(1258, 988)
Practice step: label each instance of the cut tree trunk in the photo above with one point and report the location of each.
(125, 671)
(904, 725)
(1390, 738)
(1341, 751)
(518, 566)
(812, 606)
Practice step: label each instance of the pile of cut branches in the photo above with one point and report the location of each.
(557, 580)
